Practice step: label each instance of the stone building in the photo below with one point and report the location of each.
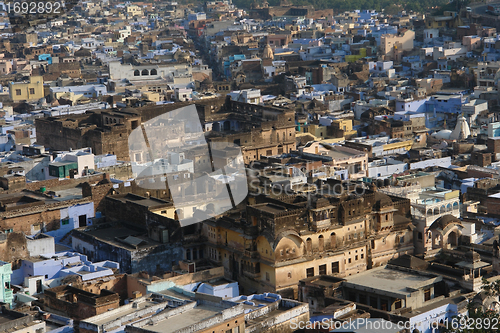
(29, 213)
(275, 243)
(106, 132)
(80, 304)
(258, 130)
(130, 246)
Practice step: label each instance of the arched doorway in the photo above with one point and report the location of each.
(333, 241)
(309, 246)
(453, 238)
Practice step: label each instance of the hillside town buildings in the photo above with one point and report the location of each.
(173, 167)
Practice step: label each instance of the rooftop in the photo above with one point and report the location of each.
(391, 280)
(185, 319)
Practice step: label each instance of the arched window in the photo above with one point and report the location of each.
(333, 240)
(321, 241)
(154, 72)
(137, 73)
(309, 245)
(145, 72)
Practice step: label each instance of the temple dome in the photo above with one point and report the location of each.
(442, 135)
(268, 52)
(461, 131)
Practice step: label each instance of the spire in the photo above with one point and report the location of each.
(268, 52)
(462, 130)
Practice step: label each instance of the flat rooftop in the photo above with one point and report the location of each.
(119, 235)
(390, 280)
(336, 153)
(448, 300)
(185, 319)
(119, 313)
(143, 201)
(271, 208)
(174, 294)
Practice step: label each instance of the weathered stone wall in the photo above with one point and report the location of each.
(13, 247)
(31, 219)
(69, 182)
(116, 283)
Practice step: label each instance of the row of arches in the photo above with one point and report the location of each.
(321, 243)
(194, 253)
(443, 209)
(145, 72)
(110, 120)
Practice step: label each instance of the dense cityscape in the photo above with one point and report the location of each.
(191, 166)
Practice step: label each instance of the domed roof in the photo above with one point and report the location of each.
(444, 221)
(268, 52)
(442, 135)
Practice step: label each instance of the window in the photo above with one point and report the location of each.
(65, 222)
(310, 272)
(322, 270)
(32, 91)
(397, 304)
(427, 295)
(356, 257)
(362, 255)
(18, 92)
(350, 260)
(384, 305)
(335, 267)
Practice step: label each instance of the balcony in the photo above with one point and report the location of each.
(8, 295)
(252, 254)
(252, 275)
(321, 224)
